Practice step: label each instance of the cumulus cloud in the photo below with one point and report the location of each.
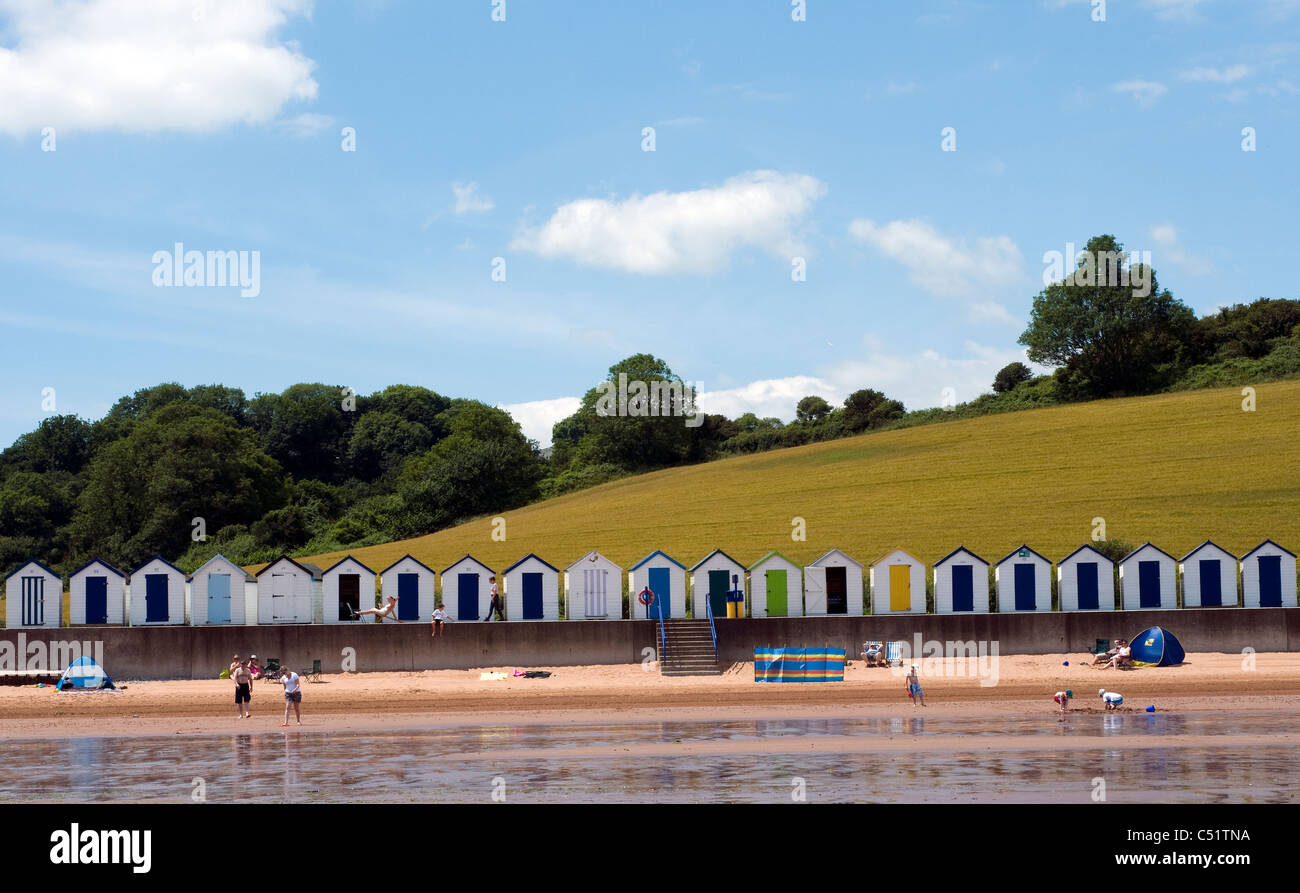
(148, 65)
(468, 200)
(1216, 75)
(775, 397)
(536, 418)
(938, 263)
(307, 124)
(1165, 236)
(1143, 92)
(679, 232)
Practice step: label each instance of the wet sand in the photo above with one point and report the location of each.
(626, 693)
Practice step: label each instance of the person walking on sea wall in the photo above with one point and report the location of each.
(495, 606)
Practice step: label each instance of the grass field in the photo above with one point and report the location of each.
(1175, 469)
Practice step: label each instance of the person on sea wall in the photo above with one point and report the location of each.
(439, 618)
(389, 610)
(495, 606)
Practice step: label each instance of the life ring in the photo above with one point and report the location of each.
(646, 596)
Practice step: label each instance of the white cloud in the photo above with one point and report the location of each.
(679, 232)
(307, 124)
(538, 417)
(1165, 236)
(776, 397)
(148, 65)
(940, 264)
(468, 200)
(991, 311)
(1143, 92)
(1216, 75)
(1175, 10)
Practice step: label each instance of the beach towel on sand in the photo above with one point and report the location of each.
(491, 677)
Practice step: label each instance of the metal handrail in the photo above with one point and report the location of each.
(713, 630)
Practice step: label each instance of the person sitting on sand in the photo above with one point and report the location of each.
(389, 610)
(234, 664)
(872, 653)
(1107, 655)
(254, 667)
(1063, 698)
(1112, 698)
(1122, 658)
(914, 689)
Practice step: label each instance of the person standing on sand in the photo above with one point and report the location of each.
(292, 694)
(1063, 698)
(914, 689)
(243, 689)
(495, 606)
(439, 618)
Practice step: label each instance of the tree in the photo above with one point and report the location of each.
(1009, 376)
(869, 408)
(382, 441)
(305, 429)
(812, 409)
(1109, 326)
(59, 443)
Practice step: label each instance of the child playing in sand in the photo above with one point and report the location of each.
(914, 690)
(439, 618)
(1063, 698)
(1112, 698)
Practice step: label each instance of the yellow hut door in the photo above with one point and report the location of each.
(900, 587)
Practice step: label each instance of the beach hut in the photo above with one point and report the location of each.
(897, 584)
(97, 595)
(833, 585)
(532, 590)
(416, 586)
(350, 584)
(775, 587)
(1024, 581)
(289, 591)
(157, 594)
(1148, 579)
(466, 591)
(1085, 581)
(961, 583)
(593, 589)
(666, 578)
(712, 578)
(1268, 577)
(217, 593)
(1209, 577)
(33, 597)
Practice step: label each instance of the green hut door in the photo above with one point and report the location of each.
(719, 583)
(778, 603)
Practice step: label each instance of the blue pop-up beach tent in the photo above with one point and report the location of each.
(84, 674)
(1156, 647)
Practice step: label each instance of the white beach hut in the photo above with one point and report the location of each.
(833, 585)
(1148, 579)
(350, 584)
(1268, 577)
(712, 578)
(1209, 577)
(157, 594)
(97, 595)
(775, 587)
(1085, 581)
(1024, 581)
(532, 590)
(961, 583)
(897, 584)
(33, 597)
(217, 593)
(289, 591)
(466, 589)
(415, 584)
(593, 589)
(666, 578)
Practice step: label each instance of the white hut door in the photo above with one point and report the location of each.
(815, 590)
(593, 584)
(281, 597)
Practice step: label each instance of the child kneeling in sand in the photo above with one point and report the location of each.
(1112, 698)
(1063, 698)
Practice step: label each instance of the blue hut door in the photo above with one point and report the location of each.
(97, 599)
(659, 581)
(408, 596)
(1024, 583)
(963, 587)
(532, 597)
(33, 601)
(1087, 578)
(218, 598)
(1148, 584)
(593, 587)
(467, 596)
(155, 598)
(1270, 581)
(1211, 585)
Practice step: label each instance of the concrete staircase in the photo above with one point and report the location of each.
(689, 649)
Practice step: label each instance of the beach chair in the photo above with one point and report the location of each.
(893, 654)
(271, 672)
(878, 646)
(1102, 646)
(314, 675)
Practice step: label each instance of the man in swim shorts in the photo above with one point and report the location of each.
(914, 689)
(243, 679)
(292, 694)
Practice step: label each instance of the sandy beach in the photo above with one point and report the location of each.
(390, 701)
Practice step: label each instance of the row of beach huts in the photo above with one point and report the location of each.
(289, 591)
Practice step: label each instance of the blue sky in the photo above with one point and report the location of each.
(219, 125)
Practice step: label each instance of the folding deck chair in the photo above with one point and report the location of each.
(893, 654)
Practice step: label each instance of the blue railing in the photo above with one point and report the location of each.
(713, 630)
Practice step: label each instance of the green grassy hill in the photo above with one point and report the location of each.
(1175, 469)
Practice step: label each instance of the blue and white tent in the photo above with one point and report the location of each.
(84, 674)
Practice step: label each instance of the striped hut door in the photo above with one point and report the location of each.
(593, 587)
(33, 601)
